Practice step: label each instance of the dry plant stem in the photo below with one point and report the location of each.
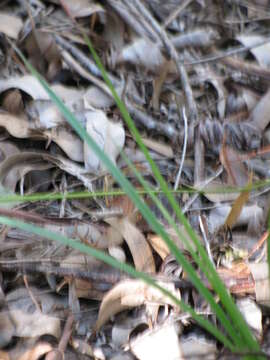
(132, 21)
(31, 294)
(199, 150)
(107, 279)
(247, 67)
(140, 117)
(172, 53)
(219, 56)
(70, 61)
(176, 13)
(206, 242)
(205, 183)
(59, 353)
(178, 177)
(83, 59)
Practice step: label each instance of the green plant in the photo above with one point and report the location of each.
(238, 337)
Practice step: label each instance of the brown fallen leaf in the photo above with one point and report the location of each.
(139, 248)
(130, 293)
(237, 207)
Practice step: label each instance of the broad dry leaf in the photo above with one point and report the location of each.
(108, 135)
(130, 293)
(159, 343)
(138, 246)
(10, 25)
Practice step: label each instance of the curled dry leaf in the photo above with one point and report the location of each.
(130, 293)
(70, 143)
(108, 135)
(139, 248)
(207, 75)
(14, 167)
(161, 247)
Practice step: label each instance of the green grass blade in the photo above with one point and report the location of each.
(124, 183)
(100, 255)
(227, 301)
(205, 292)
